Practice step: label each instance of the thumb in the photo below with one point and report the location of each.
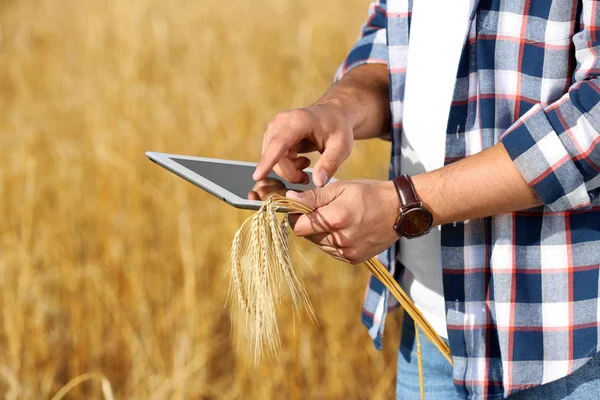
(315, 198)
(335, 153)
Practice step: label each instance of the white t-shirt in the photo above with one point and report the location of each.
(437, 32)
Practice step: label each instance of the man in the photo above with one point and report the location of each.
(492, 107)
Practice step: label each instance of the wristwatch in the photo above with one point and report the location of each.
(414, 220)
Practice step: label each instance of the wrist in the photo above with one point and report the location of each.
(414, 219)
(362, 98)
(345, 106)
(423, 185)
(390, 204)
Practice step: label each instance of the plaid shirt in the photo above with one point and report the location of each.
(521, 289)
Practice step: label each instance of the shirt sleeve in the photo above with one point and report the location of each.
(371, 47)
(557, 148)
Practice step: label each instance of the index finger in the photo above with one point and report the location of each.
(274, 150)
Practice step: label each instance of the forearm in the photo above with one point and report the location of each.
(482, 185)
(362, 96)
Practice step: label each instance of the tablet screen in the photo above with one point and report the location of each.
(238, 179)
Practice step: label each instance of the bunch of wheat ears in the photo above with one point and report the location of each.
(261, 271)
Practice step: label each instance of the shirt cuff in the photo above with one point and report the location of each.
(544, 162)
(370, 49)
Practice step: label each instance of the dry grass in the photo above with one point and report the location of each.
(111, 265)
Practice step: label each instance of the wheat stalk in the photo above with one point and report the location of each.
(266, 267)
(420, 361)
(107, 391)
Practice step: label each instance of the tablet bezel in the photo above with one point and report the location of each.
(165, 161)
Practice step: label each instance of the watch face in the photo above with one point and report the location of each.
(415, 222)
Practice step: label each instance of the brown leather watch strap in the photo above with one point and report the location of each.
(406, 191)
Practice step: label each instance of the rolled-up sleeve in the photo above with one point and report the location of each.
(557, 148)
(371, 47)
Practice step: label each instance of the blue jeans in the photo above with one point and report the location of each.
(437, 372)
(583, 384)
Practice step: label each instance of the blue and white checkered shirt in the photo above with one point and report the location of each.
(522, 289)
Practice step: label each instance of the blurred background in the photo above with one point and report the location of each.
(110, 264)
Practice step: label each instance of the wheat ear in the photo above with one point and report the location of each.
(280, 232)
(235, 261)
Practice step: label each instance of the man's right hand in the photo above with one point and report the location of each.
(356, 107)
(322, 128)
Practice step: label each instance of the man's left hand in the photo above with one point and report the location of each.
(353, 220)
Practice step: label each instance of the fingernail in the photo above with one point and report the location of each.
(256, 174)
(324, 177)
(290, 194)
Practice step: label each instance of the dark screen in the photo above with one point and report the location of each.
(236, 178)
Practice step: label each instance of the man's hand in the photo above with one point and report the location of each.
(353, 220)
(356, 107)
(321, 127)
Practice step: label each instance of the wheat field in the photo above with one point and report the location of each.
(111, 265)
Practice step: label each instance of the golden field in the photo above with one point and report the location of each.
(110, 264)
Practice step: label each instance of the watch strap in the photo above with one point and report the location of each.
(406, 191)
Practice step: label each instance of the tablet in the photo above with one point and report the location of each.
(230, 181)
